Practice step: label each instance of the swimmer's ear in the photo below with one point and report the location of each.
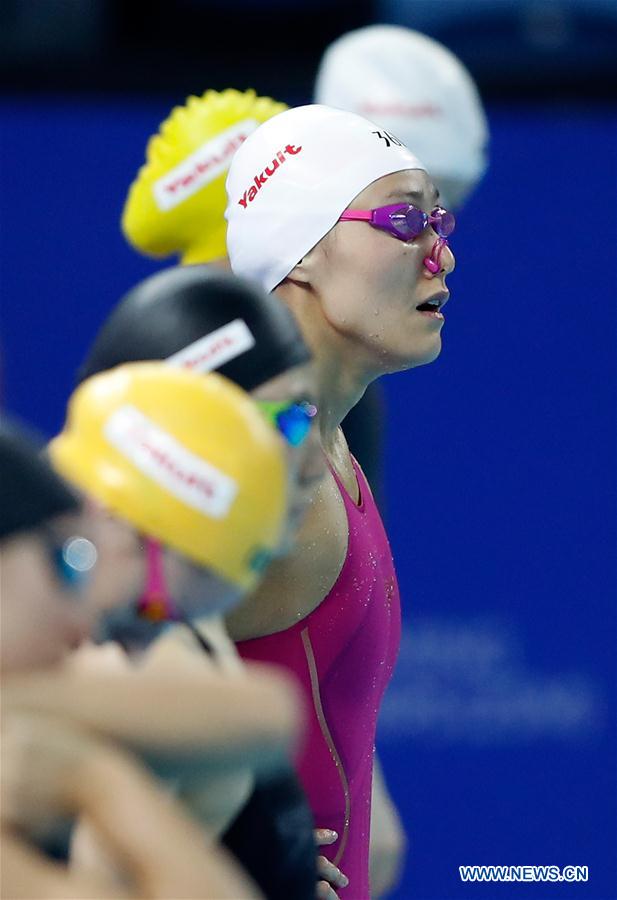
(302, 273)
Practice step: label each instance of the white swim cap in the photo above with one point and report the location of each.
(291, 180)
(415, 88)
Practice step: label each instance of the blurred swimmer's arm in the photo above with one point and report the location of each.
(26, 873)
(216, 799)
(167, 854)
(52, 769)
(168, 715)
(388, 841)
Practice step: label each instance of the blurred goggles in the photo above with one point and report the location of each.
(73, 559)
(292, 420)
(404, 221)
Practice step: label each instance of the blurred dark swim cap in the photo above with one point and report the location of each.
(31, 492)
(208, 320)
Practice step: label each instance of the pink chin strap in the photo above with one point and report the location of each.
(155, 604)
(433, 262)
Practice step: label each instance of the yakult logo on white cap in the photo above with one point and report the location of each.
(426, 110)
(161, 457)
(277, 215)
(215, 349)
(259, 180)
(414, 86)
(201, 167)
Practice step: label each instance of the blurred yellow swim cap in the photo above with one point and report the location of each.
(186, 458)
(176, 203)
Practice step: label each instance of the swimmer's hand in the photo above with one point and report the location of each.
(329, 876)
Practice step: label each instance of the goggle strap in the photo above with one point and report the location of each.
(357, 215)
(155, 603)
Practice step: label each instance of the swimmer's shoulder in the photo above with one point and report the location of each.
(295, 586)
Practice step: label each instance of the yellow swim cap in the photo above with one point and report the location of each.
(185, 458)
(177, 202)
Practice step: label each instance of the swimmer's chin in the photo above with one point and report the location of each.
(419, 359)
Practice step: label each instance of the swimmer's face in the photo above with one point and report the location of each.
(306, 462)
(120, 571)
(44, 616)
(370, 283)
(188, 588)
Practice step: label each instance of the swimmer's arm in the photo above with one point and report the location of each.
(204, 721)
(388, 842)
(213, 800)
(26, 873)
(51, 769)
(164, 853)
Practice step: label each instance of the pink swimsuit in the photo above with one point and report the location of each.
(343, 654)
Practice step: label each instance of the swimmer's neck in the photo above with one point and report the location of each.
(344, 368)
(339, 390)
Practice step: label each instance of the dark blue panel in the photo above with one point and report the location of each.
(66, 167)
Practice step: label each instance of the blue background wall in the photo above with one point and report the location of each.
(498, 734)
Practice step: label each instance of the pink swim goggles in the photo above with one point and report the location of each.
(403, 220)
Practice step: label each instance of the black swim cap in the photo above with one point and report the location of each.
(181, 305)
(30, 491)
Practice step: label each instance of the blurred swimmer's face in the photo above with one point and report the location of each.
(160, 585)
(370, 283)
(307, 462)
(120, 572)
(123, 574)
(45, 611)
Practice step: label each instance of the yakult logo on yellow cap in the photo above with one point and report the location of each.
(162, 458)
(259, 180)
(201, 167)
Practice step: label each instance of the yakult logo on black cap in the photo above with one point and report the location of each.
(215, 349)
(259, 180)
